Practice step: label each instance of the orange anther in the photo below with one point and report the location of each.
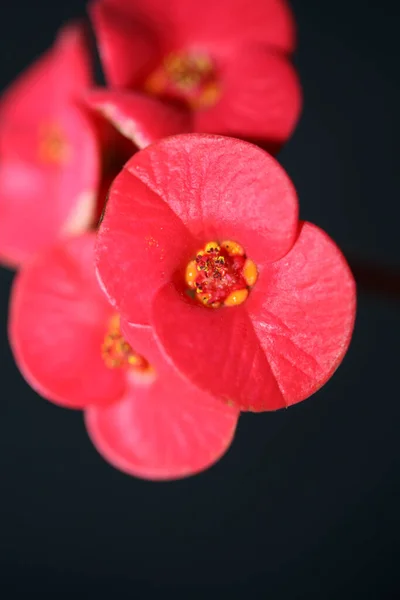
(191, 274)
(212, 247)
(232, 248)
(237, 297)
(250, 273)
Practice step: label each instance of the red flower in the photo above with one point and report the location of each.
(140, 414)
(201, 239)
(221, 66)
(48, 151)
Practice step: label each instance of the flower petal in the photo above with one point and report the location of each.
(140, 118)
(260, 101)
(58, 320)
(215, 26)
(39, 203)
(215, 349)
(140, 244)
(222, 188)
(36, 97)
(303, 310)
(163, 430)
(128, 48)
(41, 195)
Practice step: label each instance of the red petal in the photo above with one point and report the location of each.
(128, 49)
(261, 99)
(40, 200)
(222, 188)
(58, 319)
(140, 118)
(215, 26)
(303, 310)
(38, 204)
(141, 243)
(56, 78)
(217, 350)
(164, 430)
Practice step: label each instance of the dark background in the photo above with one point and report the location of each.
(306, 502)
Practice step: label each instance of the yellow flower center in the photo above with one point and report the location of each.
(53, 147)
(221, 274)
(117, 353)
(190, 77)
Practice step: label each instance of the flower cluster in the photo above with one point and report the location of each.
(165, 282)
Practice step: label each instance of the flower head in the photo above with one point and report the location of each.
(201, 239)
(71, 346)
(220, 67)
(48, 151)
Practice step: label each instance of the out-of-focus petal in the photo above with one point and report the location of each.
(166, 429)
(58, 321)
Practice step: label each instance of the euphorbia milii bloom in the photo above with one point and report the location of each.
(48, 151)
(141, 415)
(201, 239)
(220, 66)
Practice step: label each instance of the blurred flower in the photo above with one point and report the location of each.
(219, 66)
(201, 239)
(70, 346)
(49, 167)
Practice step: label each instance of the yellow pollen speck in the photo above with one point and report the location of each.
(204, 298)
(212, 247)
(237, 297)
(191, 274)
(250, 273)
(232, 248)
(133, 360)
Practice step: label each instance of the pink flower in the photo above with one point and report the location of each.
(217, 67)
(201, 240)
(141, 415)
(48, 151)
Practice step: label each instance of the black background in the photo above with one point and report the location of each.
(306, 502)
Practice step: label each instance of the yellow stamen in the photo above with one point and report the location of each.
(232, 248)
(116, 351)
(191, 274)
(237, 297)
(250, 273)
(212, 247)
